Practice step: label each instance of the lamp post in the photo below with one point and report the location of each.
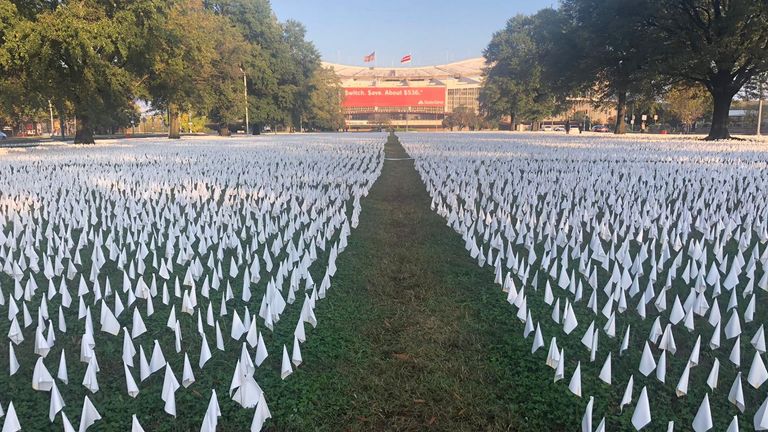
(759, 107)
(245, 94)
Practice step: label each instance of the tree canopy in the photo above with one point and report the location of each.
(688, 103)
(617, 51)
(93, 60)
(517, 83)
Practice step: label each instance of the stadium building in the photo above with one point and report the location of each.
(413, 97)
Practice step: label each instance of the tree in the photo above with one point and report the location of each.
(283, 65)
(462, 117)
(325, 111)
(181, 56)
(756, 87)
(93, 59)
(16, 104)
(304, 61)
(719, 44)
(607, 53)
(688, 103)
(516, 83)
(75, 53)
(195, 59)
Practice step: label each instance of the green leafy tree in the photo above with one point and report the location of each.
(606, 53)
(94, 58)
(196, 58)
(756, 88)
(718, 44)
(516, 83)
(688, 103)
(304, 62)
(281, 66)
(463, 117)
(75, 53)
(325, 112)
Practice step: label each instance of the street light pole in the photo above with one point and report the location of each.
(245, 93)
(759, 108)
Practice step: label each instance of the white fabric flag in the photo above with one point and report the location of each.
(88, 416)
(642, 415)
(135, 425)
(57, 403)
(130, 383)
(11, 423)
(170, 385)
(586, 420)
(261, 415)
(703, 420)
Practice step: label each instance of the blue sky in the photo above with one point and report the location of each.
(433, 31)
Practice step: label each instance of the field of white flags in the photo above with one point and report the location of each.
(158, 286)
(636, 269)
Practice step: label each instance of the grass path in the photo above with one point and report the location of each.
(414, 336)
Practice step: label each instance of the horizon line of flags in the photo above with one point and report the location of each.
(372, 58)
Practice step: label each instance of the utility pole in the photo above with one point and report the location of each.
(759, 107)
(245, 93)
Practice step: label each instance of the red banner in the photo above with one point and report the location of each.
(365, 97)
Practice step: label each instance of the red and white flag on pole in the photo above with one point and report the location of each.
(370, 57)
(406, 59)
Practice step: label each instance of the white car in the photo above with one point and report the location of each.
(3, 136)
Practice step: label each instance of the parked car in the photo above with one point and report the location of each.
(600, 128)
(559, 128)
(546, 128)
(3, 136)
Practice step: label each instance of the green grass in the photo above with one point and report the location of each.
(415, 336)
(412, 336)
(112, 401)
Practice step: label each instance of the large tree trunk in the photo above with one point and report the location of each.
(61, 126)
(84, 131)
(621, 108)
(512, 121)
(722, 105)
(173, 121)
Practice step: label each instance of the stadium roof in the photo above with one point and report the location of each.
(466, 68)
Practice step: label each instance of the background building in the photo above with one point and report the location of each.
(407, 97)
(420, 97)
